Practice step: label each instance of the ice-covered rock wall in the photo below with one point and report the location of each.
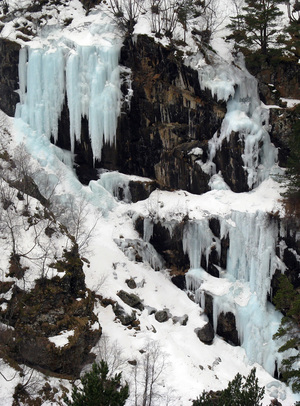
(233, 259)
(245, 116)
(86, 75)
(245, 284)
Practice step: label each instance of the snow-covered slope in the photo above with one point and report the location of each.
(87, 50)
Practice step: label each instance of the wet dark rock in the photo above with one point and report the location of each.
(214, 225)
(167, 245)
(9, 82)
(141, 190)
(226, 328)
(206, 334)
(179, 281)
(230, 162)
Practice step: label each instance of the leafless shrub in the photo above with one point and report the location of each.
(126, 13)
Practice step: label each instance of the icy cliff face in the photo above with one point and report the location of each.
(245, 283)
(86, 75)
(245, 116)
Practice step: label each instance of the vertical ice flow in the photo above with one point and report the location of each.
(245, 116)
(245, 283)
(88, 76)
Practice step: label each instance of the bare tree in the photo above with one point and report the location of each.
(126, 13)
(156, 21)
(147, 375)
(111, 353)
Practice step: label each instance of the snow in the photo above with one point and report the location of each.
(290, 102)
(87, 50)
(61, 339)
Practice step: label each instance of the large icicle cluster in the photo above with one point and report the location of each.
(245, 284)
(87, 75)
(245, 116)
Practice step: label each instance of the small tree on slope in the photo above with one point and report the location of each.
(237, 393)
(98, 389)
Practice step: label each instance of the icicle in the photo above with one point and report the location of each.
(88, 75)
(244, 116)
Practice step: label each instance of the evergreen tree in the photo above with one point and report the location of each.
(237, 393)
(287, 300)
(291, 36)
(256, 26)
(292, 196)
(98, 389)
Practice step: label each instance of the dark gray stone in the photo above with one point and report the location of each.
(161, 316)
(125, 318)
(131, 299)
(181, 320)
(226, 328)
(131, 283)
(206, 333)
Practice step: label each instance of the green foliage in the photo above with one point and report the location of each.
(256, 25)
(240, 391)
(292, 196)
(287, 300)
(99, 390)
(291, 40)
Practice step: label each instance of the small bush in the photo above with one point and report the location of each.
(237, 393)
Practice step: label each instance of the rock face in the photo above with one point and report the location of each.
(169, 115)
(226, 328)
(45, 312)
(53, 307)
(278, 80)
(9, 82)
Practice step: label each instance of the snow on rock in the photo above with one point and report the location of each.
(245, 115)
(61, 339)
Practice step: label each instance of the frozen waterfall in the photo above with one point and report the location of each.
(245, 116)
(86, 75)
(243, 286)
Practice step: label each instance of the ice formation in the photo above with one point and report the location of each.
(245, 284)
(86, 75)
(245, 116)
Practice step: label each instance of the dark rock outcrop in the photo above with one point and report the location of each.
(9, 83)
(167, 244)
(161, 316)
(206, 334)
(131, 300)
(226, 328)
(169, 115)
(125, 318)
(48, 311)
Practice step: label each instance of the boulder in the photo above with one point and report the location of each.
(161, 316)
(206, 333)
(125, 318)
(131, 300)
(131, 283)
(181, 320)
